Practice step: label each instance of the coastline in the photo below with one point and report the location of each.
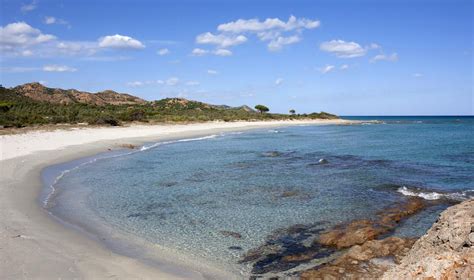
(34, 245)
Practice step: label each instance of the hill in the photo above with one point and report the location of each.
(35, 104)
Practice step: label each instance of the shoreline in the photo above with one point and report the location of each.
(34, 245)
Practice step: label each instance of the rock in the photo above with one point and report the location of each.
(360, 231)
(233, 234)
(234, 248)
(128, 146)
(323, 161)
(271, 154)
(445, 251)
(367, 261)
(289, 193)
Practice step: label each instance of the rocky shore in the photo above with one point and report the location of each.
(444, 252)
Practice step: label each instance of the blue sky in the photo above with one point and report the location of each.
(346, 57)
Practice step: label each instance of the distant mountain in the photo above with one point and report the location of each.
(38, 92)
(35, 104)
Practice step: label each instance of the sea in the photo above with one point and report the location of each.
(210, 200)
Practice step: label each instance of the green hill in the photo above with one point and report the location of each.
(35, 104)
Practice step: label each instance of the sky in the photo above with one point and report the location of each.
(346, 57)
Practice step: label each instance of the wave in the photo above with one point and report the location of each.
(144, 148)
(432, 195)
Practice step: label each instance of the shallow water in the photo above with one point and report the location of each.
(216, 197)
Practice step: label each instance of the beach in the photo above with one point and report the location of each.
(33, 245)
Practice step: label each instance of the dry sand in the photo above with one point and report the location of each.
(33, 245)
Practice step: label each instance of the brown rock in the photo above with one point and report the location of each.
(445, 251)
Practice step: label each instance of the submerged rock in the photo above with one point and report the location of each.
(233, 234)
(286, 249)
(367, 261)
(271, 154)
(360, 231)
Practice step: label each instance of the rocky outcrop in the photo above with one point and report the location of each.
(38, 92)
(446, 251)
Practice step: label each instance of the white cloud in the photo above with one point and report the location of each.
(278, 81)
(212, 72)
(275, 31)
(327, 69)
(344, 67)
(18, 69)
(172, 81)
(221, 40)
(58, 68)
(120, 42)
(343, 49)
(277, 43)
(417, 75)
(135, 84)
(49, 20)
(28, 7)
(382, 57)
(21, 35)
(199, 52)
(192, 83)
(162, 52)
(26, 53)
(255, 25)
(52, 20)
(222, 52)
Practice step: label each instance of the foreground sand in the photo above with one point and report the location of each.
(35, 246)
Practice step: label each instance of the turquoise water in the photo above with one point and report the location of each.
(214, 198)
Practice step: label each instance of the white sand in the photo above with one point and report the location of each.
(35, 246)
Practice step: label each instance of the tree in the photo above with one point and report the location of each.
(262, 108)
(292, 111)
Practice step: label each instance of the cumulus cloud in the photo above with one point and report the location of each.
(417, 75)
(20, 35)
(343, 49)
(221, 40)
(383, 57)
(162, 52)
(344, 67)
(28, 7)
(58, 68)
(199, 52)
(276, 32)
(278, 42)
(278, 81)
(120, 42)
(255, 25)
(222, 52)
(212, 72)
(327, 69)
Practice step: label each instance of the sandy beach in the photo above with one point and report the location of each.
(35, 246)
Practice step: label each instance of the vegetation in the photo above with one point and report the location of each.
(262, 108)
(292, 111)
(18, 110)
